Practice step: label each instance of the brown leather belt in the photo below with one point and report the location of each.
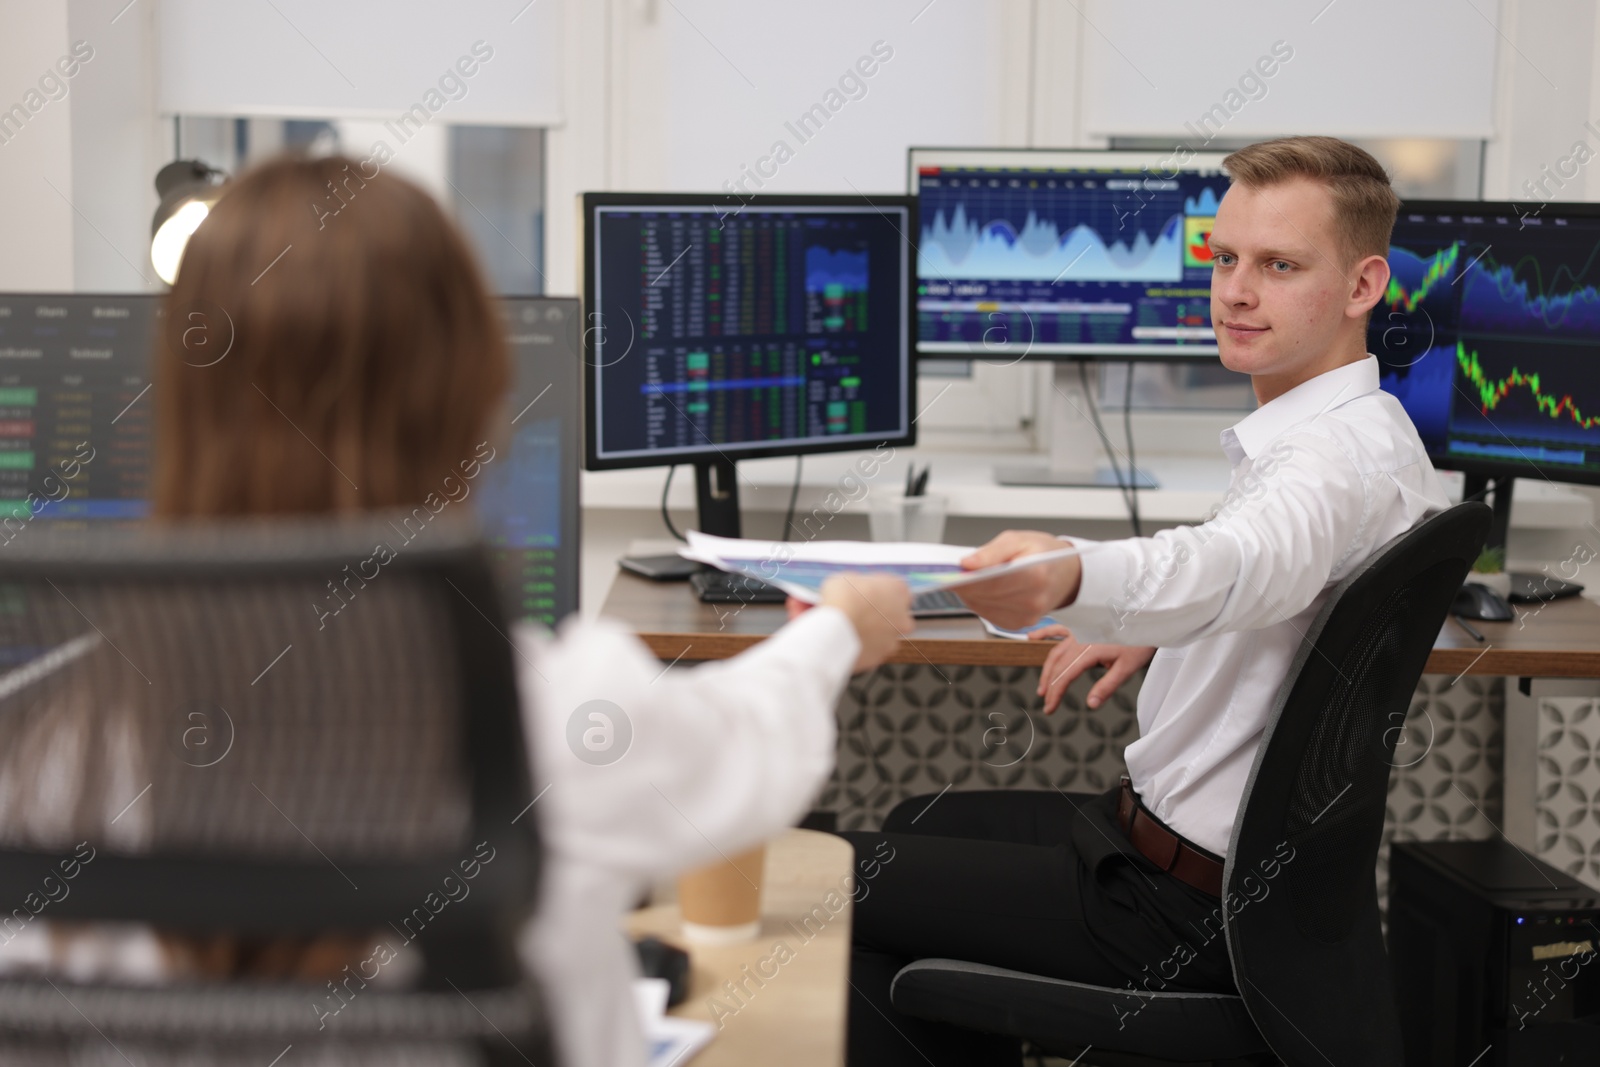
(1164, 848)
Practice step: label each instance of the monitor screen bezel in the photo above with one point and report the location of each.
(730, 205)
(1498, 468)
(571, 443)
(1065, 158)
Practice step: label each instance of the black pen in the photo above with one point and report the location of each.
(1472, 633)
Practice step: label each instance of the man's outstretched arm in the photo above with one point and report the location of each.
(1272, 548)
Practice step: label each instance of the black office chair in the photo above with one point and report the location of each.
(1303, 934)
(303, 736)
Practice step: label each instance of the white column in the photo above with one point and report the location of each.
(35, 149)
(576, 157)
(118, 144)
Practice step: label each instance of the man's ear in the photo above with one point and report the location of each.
(1369, 278)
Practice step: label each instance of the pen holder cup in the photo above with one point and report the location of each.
(893, 516)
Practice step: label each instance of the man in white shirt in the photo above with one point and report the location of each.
(1325, 471)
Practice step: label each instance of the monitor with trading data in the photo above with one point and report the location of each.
(77, 414)
(762, 326)
(529, 507)
(1489, 334)
(723, 328)
(1082, 254)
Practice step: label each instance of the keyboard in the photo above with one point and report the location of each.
(719, 587)
(940, 602)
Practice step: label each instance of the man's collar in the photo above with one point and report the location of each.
(1251, 434)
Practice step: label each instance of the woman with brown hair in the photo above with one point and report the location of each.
(364, 357)
(336, 350)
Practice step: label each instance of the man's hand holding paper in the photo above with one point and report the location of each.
(1021, 597)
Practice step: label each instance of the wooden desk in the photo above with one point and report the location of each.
(798, 1015)
(1561, 640)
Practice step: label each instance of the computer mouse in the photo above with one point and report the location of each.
(657, 959)
(1477, 601)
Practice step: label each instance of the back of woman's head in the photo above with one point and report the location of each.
(329, 346)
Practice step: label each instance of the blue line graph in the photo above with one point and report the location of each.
(960, 248)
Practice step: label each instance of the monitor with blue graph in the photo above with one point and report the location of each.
(1056, 255)
(1489, 334)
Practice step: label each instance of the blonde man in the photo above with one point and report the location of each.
(1325, 471)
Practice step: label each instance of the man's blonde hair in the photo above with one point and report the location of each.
(1364, 204)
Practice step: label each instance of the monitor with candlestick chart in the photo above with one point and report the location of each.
(1489, 333)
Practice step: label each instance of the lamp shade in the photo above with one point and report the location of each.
(187, 188)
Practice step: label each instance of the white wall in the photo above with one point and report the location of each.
(117, 147)
(684, 96)
(739, 87)
(1261, 68)
(77, 182)
(679, 96)
(650, 103)
(37, 223)
(489, 63)
(1546, 93)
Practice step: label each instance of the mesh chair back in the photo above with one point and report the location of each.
(279, 728)
(259, 733)
(1303, 924)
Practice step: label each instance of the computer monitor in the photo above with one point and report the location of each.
(77, 417)
(529, 507)
(722, 328)
(1081, 254)
(1489, 335)
(1070, 255)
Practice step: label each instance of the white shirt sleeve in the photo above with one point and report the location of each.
(1285, 529)
(683, 763)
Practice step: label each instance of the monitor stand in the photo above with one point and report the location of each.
(1074, 443)
(716, 490)
(1525, 585)
(1499, 490)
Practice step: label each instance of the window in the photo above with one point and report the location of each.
(490, 179)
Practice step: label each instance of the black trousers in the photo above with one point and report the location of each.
(1042, 882)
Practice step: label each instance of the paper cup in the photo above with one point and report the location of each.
(721, 904)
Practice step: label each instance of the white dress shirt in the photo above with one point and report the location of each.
(1322, 476)
(722, 756)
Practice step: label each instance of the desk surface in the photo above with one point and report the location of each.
(1560, 639)
(798, 1015)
